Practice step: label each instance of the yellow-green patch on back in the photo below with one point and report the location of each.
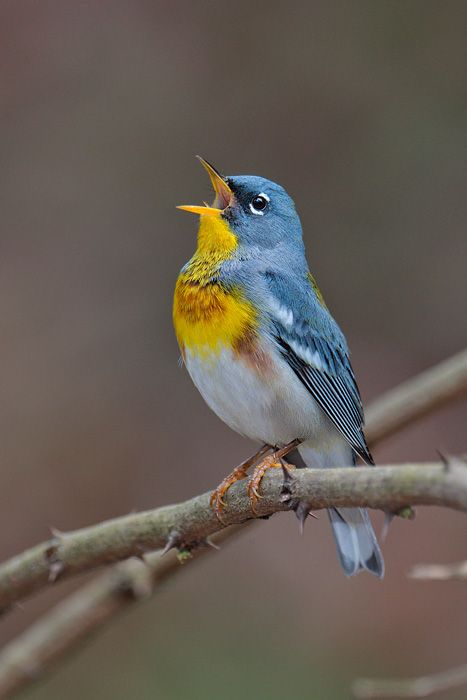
(316, 290)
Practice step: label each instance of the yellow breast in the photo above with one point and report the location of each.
(208, 317)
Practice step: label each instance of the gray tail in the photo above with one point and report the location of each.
(356, 541)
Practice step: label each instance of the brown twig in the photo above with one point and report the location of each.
(423, 687)
(440, 572)
(417, 397)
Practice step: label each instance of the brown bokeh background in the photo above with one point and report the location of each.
(359, 110)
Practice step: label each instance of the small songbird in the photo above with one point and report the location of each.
(263, 350)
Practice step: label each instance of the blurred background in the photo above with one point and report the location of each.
(359, 110)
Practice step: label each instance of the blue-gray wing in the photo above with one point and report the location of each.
(314, 347)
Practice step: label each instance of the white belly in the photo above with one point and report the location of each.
(274, 408)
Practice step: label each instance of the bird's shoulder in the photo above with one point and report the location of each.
(298, 312)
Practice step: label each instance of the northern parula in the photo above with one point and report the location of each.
(263, 350)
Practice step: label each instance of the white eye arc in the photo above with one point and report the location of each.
(259, 203)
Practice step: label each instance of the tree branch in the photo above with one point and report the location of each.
(440, 572)
(417, 397)
(191, 522)
(423, 687)
(85, 611)
(81, 613)
(74, 619)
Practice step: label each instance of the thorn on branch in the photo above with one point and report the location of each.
(388, 518)
(185, 549)
(56, 568)
(199, 544)
(302, 511)
(57, 534)
(444, 461)
(173, 542)
(55, 565)
(289, 478)
(287, 484)
(449, 461)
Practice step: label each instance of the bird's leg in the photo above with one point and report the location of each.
(273, 461)
(238, 473)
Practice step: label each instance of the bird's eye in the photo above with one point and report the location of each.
(259, 203)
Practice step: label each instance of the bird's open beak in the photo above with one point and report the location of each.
(224, 194)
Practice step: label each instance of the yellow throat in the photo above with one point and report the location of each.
(207, 316)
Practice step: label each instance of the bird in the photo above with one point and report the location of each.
(262, 348)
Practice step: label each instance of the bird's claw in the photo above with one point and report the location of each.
(256, 478)
(217, 496)
(216, 499)
(274, 460)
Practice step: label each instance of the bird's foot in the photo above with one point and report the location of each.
(274, 461)
(271, 462)
(217, 496)
(240, 472)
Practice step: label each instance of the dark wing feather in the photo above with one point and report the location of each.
(334, 388)
(313, 345)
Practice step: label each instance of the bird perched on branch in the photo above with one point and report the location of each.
(263, 350)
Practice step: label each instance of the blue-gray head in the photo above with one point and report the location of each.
(257, 211)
